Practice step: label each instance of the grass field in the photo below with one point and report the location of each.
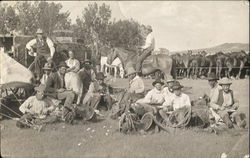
(101, 139)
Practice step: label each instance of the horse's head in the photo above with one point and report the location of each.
(111, 57)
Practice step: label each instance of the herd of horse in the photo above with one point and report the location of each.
(188, 65)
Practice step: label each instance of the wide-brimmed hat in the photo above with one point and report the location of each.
(225, 81)
(157, 81)
(87, 61)
(40, 88)
(47, 66)
(176, 85)
(131, 71)
(39, 31)
(62, 64)
(170, 79)
(212, 77)
(100, 76)
(149, 27)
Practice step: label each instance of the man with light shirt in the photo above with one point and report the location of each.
(146, 49)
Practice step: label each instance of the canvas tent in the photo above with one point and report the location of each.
(12, 73)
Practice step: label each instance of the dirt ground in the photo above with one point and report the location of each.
(101, 139)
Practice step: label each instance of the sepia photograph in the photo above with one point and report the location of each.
(124, 79)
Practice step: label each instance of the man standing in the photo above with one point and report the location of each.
(42, 48)
(55, 86)
(146, 49)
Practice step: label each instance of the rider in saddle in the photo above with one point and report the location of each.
(42, 48)
(146, 49)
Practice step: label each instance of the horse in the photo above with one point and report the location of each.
(154, 63)
(114, 65)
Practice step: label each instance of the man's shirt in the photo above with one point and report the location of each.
(150, 41)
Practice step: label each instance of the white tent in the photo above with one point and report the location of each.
(12, 73)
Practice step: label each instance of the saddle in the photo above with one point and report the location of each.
(152, 59)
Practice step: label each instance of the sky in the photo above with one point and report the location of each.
(181, 25)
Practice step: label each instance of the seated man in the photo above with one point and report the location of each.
(55, 86)
(177, 101)
(134, 92)
(225, 105)
(36, 108)
(153, 98)
(87, 75)
(98, 91)
(47, 72)
(168, 91)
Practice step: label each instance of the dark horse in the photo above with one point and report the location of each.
(152, 63)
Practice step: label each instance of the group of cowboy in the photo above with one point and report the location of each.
(165, 99)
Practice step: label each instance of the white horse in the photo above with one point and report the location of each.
(114, 65)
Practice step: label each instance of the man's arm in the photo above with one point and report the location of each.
(29, 47)
(51, 46)
(25, 106)
(187, 101)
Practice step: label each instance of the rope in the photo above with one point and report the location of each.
(11, 110)
(213, 67)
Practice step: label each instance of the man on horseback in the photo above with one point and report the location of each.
(146, 49)
(42, 48)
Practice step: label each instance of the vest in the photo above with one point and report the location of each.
(42, 48)
(221, 99)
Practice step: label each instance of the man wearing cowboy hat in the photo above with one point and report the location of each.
(55, 86)
(134, 92)
(47, 72)
(43, 45)
(147, 48)
(42, 48)
(168, 91)
(136, 84)
(225, 105)
(153, 98)
(38, 105)
(87, 75)
(178, 100)
(98, 92)
(214, 91)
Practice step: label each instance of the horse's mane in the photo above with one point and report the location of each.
(125, 53)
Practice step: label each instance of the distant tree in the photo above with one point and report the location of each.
(164, 50)
(94, 23)
(41, 14)
(8, 19)
(125, 34)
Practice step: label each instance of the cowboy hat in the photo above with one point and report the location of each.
(157, 81)
(131, 71)
(176, 85)
(170, 79)
(87, 61)
(212, 77)
(39, 31)
(40, 88)
(100, 76)
(62, 64)
(47, 66)
(149, 27)
(225, 81)
(147, 121)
